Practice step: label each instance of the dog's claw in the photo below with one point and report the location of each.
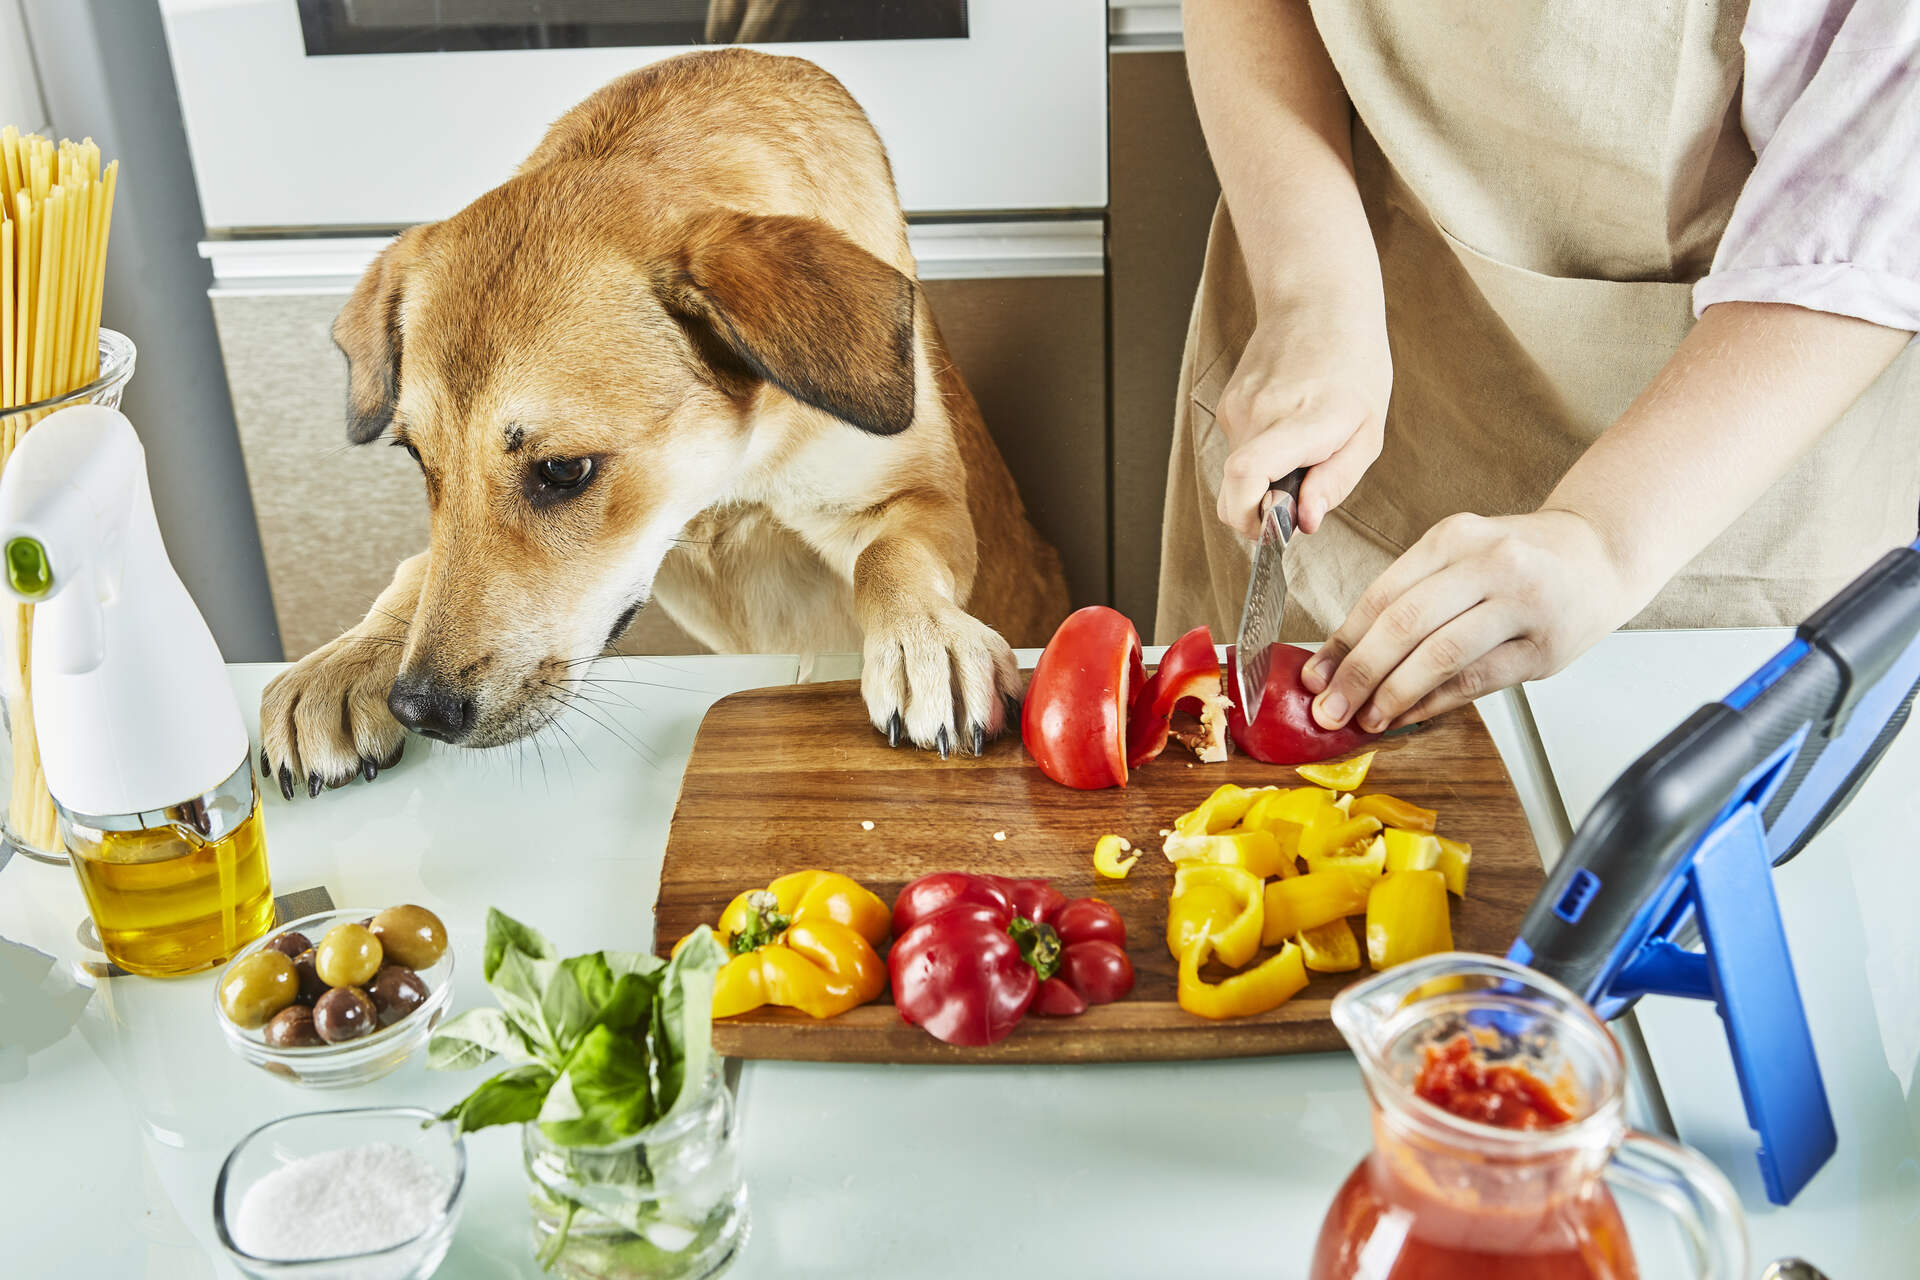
(286, 782)
(266, 766)
(369, 769)
(941, 743)
(979, 740)
(314, 786)
(894, 728)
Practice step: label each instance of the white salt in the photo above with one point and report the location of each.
(340, 1203)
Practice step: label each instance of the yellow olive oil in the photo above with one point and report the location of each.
(166, 902)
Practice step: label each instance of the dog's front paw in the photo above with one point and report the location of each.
(940, 678)
(325, 719)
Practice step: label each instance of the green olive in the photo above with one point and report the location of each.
(348, 956)
(413, 936)
(255, 988)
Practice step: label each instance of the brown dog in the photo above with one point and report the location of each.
(679, 356)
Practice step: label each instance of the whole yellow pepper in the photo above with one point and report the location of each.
(1267, 985)
(1221, 904)
(807, 941)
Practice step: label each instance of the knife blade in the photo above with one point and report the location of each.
(1266, 590)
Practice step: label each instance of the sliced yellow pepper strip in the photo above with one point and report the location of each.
(1306, 902)
(1411, 850)
(1324, 838)
(1254, 851)
(1220, 904)
(1113, 857)
(1369, 859)
(1267, 985)
(1407, 918)
(1330, 948)
(1455, 857)
(819, 966)
(1342, 775)
(1394, 812)
(1223, 809)
(1301, 805)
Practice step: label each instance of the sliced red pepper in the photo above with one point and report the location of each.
(1188, 679)
(969, 962)
(1285, 731)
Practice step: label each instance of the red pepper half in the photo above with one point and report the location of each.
(972, 954)
(1091, 714)
(1285, 731)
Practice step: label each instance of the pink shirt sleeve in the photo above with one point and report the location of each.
(1830, 217)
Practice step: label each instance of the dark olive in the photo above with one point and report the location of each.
(289, 944)
(307, 970)
(292, 1028)
(256, 987)
(344, 1013)
(348, 956)
(396, 991)
(410, 935)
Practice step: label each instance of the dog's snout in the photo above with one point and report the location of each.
(430, 708)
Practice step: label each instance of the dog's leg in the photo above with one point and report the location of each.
(325, 719)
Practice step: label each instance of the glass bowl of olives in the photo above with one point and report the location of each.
(338, 998)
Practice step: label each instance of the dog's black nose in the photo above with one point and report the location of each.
(430, 709)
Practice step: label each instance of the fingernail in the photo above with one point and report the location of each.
(893, 730)
(313, 785)
(286, 782)
(1316, 673)
(941, 744)
(979, 740)
(1373, 720)
(368, 769)
(1330, 709)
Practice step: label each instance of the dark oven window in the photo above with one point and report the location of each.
(447, 26)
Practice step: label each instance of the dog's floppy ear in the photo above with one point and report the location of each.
(367, 331)
(801, 306)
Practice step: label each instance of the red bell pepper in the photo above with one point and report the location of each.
(1285, 731)
(974, 953)
(1091, 713)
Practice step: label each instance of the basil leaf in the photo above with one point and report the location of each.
(641, 963)
(505, 934)
(683, 1017)
(471, 1038)
(603, 1094)
(512, 1097)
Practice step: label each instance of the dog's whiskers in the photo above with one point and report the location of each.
(575, 700)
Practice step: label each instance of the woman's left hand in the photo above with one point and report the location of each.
(1479, 603)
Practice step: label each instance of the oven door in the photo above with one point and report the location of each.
(337, 114)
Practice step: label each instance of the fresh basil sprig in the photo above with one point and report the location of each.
(602, 1045)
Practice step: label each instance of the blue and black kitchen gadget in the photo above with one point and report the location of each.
(1682, 846)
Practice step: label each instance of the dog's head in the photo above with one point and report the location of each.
(578, 375)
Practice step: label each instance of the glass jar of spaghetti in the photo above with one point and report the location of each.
(27, 820)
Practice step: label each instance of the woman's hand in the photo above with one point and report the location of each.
(1308, 392)
(1476, 605)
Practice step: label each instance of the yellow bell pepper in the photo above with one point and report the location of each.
(1307, 902)
(1369, 859)
(1254, 851)
(1455, 857)
(1267, 985)
(1342, 775)
(1330, 947)
(1394, 812)
(1222, 905)
(1407, 918)
(1113, 857)
(1323, 839)
(807, 941)
(1223, 809)
(1411, 850)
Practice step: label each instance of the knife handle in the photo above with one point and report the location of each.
(1289, 484)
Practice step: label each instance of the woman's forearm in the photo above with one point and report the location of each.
(1279, 128)
(1752, 387)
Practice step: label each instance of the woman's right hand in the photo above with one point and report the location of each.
(1307, 393)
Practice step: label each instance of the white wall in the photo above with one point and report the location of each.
(20, 100)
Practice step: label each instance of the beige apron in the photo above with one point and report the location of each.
(1545, 181)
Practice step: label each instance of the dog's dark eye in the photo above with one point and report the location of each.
(408, 446)
(564, 473)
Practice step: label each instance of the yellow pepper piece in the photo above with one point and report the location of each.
(1455, 857)
(1113, 857)
(819, 966)
(1309, 901)
(1343, 775)
(1411, 850)
(1302, 806)
(1330, 948)
(1223, 809)
(1328, 837)
(815, 895)
(1407, 918)
(1267, 985)
(1222, 905)
(1254, 851)
(1369, 859)
(1394, 812)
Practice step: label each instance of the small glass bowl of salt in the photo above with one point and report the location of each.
(366, 1194)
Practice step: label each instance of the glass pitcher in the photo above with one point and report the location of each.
(1441, 1196)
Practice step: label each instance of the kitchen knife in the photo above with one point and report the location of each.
(1266, 590)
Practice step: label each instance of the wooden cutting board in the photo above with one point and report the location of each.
(784, 779)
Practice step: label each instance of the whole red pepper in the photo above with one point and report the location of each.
(1285, 731)
(973, 953)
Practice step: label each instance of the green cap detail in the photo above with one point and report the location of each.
(27, 569)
